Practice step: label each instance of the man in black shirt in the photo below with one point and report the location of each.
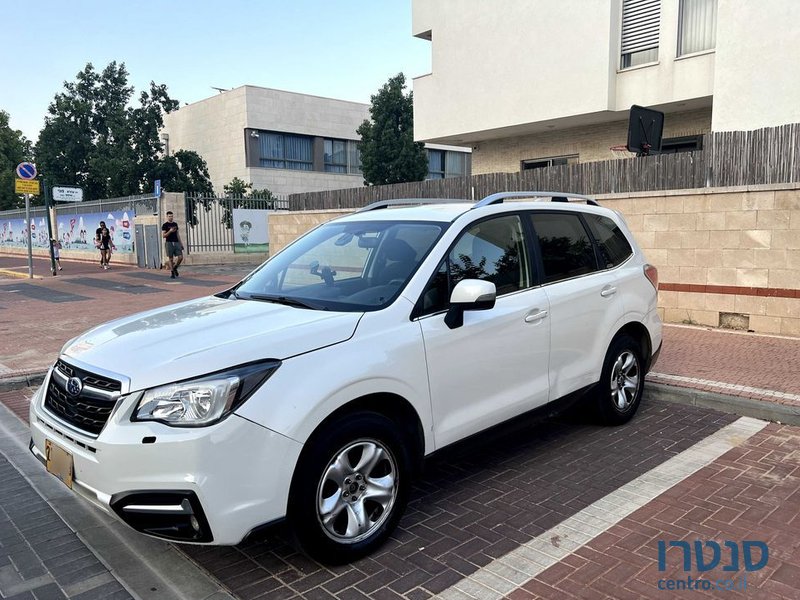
(174, 246)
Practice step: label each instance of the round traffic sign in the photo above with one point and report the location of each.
(26, 170)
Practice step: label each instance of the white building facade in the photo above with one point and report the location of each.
(283, 141)
(535, 83)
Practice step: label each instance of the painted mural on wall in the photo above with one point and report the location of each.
(75, 232)
(250, 230)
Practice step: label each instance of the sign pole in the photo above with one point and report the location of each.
(47, 192)
(28, 227)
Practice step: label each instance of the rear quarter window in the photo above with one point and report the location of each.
(611, 242)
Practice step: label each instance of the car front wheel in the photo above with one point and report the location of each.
(350, 488)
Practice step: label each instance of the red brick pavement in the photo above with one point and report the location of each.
(750, 493)
(747, 363)
(33, 330)
(18, 401)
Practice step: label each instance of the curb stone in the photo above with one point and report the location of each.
(746, 407)
(18, 382)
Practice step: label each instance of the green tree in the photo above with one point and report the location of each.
(185, 171)
(389, 153)
(94, 138)
(14, 149)
(241, 194)
(237, 188)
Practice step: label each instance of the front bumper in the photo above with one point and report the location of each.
(231, 477)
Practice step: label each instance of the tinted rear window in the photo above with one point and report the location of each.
(611, 242)
(566, 248)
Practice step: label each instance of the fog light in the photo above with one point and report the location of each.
(193, 522)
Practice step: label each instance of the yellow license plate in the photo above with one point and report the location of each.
(59, 462)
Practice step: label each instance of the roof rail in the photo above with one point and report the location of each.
(554, 197)
(407, 202)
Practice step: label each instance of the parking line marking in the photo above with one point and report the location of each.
(500, 577)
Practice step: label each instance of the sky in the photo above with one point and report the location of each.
(344, 49)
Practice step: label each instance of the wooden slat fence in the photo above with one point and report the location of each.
(731, 158)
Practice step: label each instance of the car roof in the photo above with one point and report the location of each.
(441, 213)
(451, 210)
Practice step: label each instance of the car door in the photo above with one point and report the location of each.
(584, 301)
(495, 365)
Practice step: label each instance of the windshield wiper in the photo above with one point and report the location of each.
(283, 300)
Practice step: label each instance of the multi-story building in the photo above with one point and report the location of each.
(530, 83)
(284, 141)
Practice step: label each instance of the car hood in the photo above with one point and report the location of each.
(201, 336)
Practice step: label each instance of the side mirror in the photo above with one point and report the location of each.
(469, 294)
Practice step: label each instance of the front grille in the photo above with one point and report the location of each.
(88, 411)
(89, 379)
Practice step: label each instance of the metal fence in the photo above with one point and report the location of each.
(209, 218)
(770, 155)
(136, 205)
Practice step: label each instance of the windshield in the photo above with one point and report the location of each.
(344, 266)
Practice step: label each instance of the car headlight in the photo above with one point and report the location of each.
(205, 400)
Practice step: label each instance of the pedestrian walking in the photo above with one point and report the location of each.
(173, 244)
(56, 251)
(104, 243)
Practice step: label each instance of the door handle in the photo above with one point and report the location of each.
(535, 316)
(608, 291)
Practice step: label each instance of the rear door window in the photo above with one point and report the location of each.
(566, 248)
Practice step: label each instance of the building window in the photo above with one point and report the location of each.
(640, 30)
(686, 143)
(446, 163)
(286, 151)
(342, 156)
(697, 29)
(553, 161)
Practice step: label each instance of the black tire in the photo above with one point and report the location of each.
(619, 392)
(352, 439)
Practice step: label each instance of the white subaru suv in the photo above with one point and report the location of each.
(311, 391)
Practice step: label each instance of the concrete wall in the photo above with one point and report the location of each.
(518, 62)
(757, 78)
(525, 67)
(214, 128)
(719, 252)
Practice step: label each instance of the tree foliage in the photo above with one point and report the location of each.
(94, 138)
(14, 149)
(242, 195)
(389, 153)
(185, 171)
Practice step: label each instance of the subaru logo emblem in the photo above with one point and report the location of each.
(74, 386)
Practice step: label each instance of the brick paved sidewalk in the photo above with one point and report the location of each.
(745, 365)
(751, 493)
(40, 315)
(40, 557)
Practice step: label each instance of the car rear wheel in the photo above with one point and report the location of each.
(621, 382)
(350, 488)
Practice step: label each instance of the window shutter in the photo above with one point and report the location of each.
(640, 23)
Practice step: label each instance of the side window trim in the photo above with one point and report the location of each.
(533, 274)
